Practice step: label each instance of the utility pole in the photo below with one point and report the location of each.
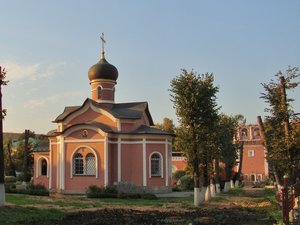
(2, 187)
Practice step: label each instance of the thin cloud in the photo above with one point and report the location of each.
(19, 71)
(32, 104)
(36, 103)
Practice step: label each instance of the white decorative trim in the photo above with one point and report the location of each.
(107, 89)
(83, 126)
(137, 142)
(62, 146)
(77, 113)
(50, 165)
(119, 160)
(85, 140)
(105, 101)
(106, 162)
(144, 163)
(73, 153)
(161, 164)
(104, 81)
(103, 112)
(58, 165)
(85, 108)
(118, 124)
(146, 118)
(38, 166)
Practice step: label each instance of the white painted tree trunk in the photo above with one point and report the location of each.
(2, 194)
(236, 183)
(199, 196)
(218, 188)
(197, 201)
(212, 190)
(207, 193)
(231, 184)
(227, 186)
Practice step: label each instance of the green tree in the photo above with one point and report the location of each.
(228, 147)
(194, 99)
(167, 125)
(281, 137)
(9, 164)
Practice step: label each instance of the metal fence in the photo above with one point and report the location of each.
(289, 199)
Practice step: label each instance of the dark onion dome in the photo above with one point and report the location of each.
(103, 70)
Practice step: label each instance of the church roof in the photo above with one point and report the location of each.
(132, 110)
(143, 129)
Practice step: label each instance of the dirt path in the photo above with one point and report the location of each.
(246, 207)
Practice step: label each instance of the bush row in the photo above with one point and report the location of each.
(111, 192)
(31, 189)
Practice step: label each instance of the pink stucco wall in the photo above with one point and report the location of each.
(150, 148)
(132, 159)
(113, 165)
(91, 115)
(41, 179)
(81, 182)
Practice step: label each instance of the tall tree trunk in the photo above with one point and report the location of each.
(265, 143)
(238, 175)
(287, 128)
(25, 159)
(2, 188)
(12, 168)
(217, 174)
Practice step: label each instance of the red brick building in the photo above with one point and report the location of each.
(254, 166)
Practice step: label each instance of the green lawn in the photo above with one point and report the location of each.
(25, 209)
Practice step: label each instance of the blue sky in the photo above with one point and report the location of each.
(47, 48)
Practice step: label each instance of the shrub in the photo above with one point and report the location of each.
(10, 188)
(36, 189)
(129, 195)
(176, 188)
(101, 192)
(10, 179)
(186, 182)
(148, 196)
(32, 189)
(178, 174)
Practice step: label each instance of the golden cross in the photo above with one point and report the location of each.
(103, 41)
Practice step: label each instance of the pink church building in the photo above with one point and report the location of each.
(104, 143)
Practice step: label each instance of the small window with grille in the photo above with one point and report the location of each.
(90, 164)
(44, 167)
(155, 165)
(84, 165)
(78, 165)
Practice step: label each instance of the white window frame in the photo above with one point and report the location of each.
(161, 165)
(84, 159)
(251, 153)
(39, 166)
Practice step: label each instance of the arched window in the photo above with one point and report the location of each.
(90, 164)
(78, 166)
(99, 91)
(84, 165)
(256, 133)
(244, 133)
(155, 165)
(43, 167)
